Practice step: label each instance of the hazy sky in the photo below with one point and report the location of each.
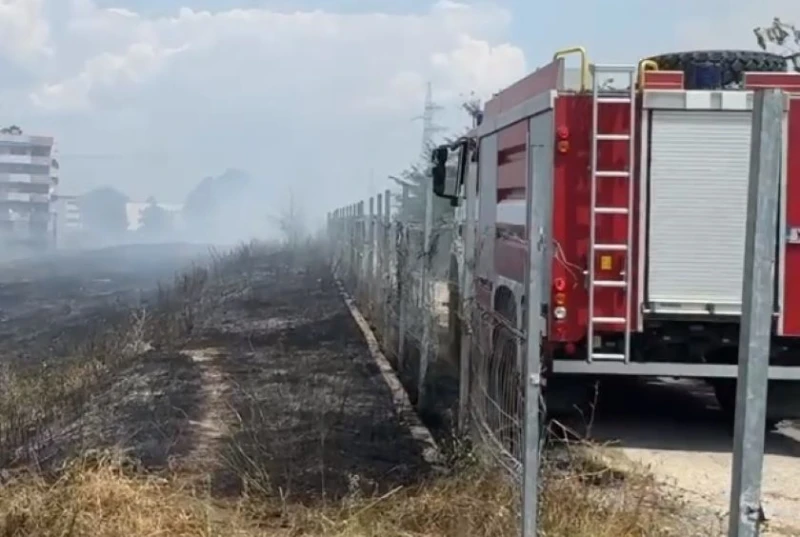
(151, 95)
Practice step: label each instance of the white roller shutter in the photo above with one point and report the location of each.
(699, 164)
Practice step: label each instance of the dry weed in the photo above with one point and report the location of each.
(105, 497)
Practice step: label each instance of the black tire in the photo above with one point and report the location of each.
(725, 392)
(734, 63)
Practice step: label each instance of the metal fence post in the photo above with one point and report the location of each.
(533, 331)
(466, 285)
(402, 284)
(342, 244)
(370, 255)
(757, 308)
(346, 245)
(357, 241)
(352, 226)
(333, 240)
(386, 273)
(355, 244)
(377, 296)
(333, 223)
(427, 305)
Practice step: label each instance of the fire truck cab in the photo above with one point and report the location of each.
(641, 173)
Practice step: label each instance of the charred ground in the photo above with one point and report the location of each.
(259, 367)
(143, 394)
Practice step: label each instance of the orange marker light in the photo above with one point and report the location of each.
(562, 146)
(560, 299)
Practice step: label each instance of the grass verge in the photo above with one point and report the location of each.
(108, 496)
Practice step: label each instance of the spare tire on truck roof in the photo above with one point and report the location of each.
(731, 63)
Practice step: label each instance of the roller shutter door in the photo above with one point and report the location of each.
(699, 165)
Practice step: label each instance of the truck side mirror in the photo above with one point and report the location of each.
(439, 170)
(439, 175)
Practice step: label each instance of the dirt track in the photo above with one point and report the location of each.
(274, 384)
(674, 428)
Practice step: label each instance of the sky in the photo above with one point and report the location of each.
(318, 98)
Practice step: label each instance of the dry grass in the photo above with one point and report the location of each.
(103, 497)
(107, 495)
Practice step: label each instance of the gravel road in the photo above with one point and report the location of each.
(674, 428)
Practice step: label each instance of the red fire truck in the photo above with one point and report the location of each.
(643, 170)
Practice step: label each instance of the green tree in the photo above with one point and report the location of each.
(212, 197)
(103, 211)
(781, 38)
(155, 220)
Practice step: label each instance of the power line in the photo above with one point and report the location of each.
(429, 126)
(110, 156)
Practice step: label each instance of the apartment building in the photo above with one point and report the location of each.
(28, 180)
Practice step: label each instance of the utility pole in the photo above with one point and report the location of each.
(429, 126)
(429, 129)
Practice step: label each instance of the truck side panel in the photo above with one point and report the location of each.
(509, 253)
(571, 213)
(504, 244)
(791, 290)
(790, 202)
(543, 79)
(511, 161)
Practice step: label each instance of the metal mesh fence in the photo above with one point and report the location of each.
(408, 281)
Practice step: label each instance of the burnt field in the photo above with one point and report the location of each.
(246, 371)
(177, 391)
(48, 304)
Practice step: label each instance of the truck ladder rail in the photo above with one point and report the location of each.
(600, 99)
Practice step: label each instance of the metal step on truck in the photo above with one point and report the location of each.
(642, 172)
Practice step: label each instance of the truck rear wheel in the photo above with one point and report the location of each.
(725, 392)
(733, 63)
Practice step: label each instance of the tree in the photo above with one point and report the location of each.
(781, 38)
(12, 129)
(104, 211)
(292, 223)
(212, 196)
(155, 220)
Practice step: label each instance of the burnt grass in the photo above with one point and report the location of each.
(289, 403)
(48, 305)
(313, 410)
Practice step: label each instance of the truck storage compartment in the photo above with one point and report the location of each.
(698, 175)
